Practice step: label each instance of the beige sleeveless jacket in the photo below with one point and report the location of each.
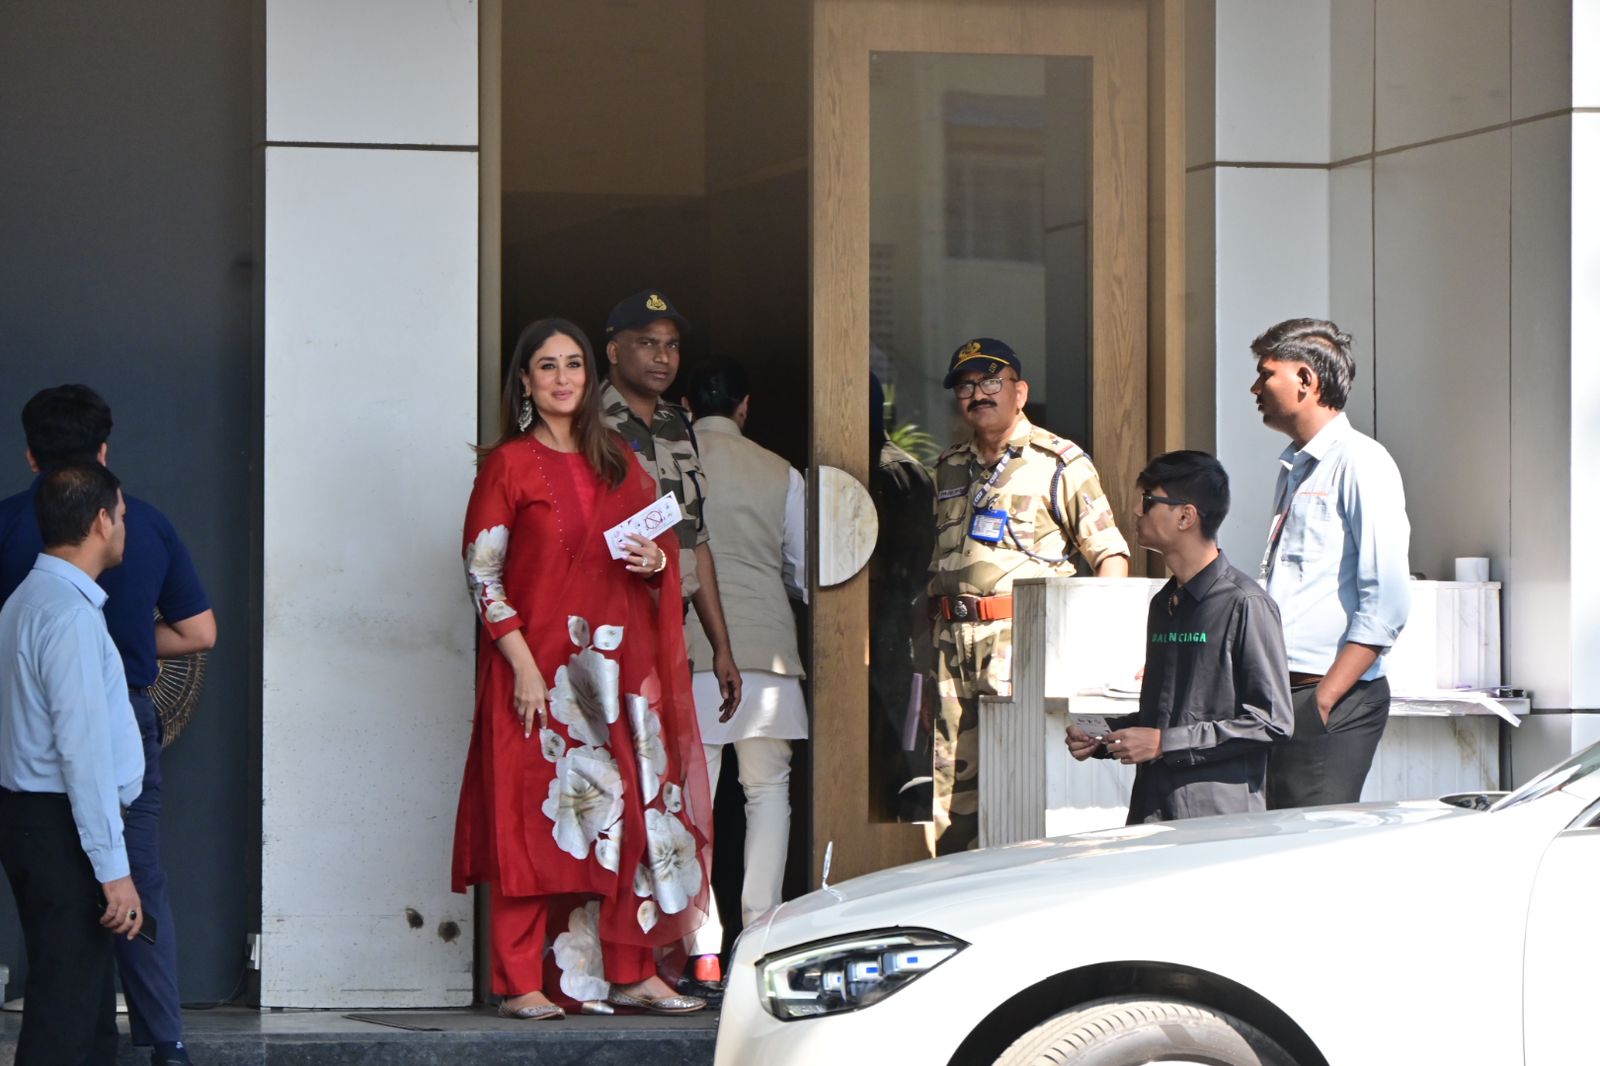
(746, 486)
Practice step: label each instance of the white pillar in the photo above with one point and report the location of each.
(370, 378)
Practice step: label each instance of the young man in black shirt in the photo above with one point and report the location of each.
(1216, 682)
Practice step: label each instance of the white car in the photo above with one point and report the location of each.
(1441, 933)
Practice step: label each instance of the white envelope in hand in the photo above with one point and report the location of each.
(649, 523)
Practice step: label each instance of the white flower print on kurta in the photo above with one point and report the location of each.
(674, 862)
(486, 564)
(648, 749)
(578, 955)
(672, 798)
(649, 914)
(553, 744)
(608, 849)
(585, 799)
(585, 696)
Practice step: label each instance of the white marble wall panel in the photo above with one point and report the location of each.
(1272, 264)
(1272, 95)
(1353, 29)
(1011, 751)
(372, 71)
(1538, 586)
(1442, 268)
(1585, 404)
(1585, 53)
(370, 400)
(1350, 279)
(1425, 758)
(1541, 56)
(1442, 68)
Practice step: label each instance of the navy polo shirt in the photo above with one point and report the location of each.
(156, 571)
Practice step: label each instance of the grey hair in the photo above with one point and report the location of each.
(1320, 345)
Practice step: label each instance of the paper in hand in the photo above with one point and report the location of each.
(648, 523)
(1093, 724)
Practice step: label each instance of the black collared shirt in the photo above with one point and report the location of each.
(1216, 683)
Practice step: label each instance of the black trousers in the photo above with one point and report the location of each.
(69, 1013)
(1325, 764)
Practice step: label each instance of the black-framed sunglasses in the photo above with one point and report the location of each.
(990, 387)
(1147, 500)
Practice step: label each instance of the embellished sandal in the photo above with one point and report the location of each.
(537, 1012)
(658, 1005)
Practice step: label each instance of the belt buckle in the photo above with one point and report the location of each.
(960, 610)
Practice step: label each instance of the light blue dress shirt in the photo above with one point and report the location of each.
(65, 721)
(1339, 566)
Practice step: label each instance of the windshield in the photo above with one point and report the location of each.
(1559, 776)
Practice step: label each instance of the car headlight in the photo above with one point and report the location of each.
(850, 972)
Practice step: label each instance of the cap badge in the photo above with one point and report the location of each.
(971, 348)
(656, 303)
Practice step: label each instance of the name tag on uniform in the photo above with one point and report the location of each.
(950, 494)
(988, 526)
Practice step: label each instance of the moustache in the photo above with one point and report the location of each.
(975, 404)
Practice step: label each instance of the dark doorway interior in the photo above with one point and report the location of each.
(126, 228)
(666, 145)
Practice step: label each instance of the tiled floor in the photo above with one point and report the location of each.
(242, 1037)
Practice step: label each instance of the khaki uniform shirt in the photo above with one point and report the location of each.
(1080, 521)
(666, 450)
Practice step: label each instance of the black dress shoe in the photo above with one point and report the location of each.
(710, 991)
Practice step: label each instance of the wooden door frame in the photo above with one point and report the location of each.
(1137, 299)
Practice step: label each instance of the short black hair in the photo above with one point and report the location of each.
(717, 387)
(69, 498)
(66, 424)
(1319, 344)
(1193, 476)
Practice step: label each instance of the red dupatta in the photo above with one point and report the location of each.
(611, 799)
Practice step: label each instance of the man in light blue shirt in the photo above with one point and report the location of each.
(70, 760)
(1336, 564)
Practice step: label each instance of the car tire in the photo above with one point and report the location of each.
(1129, 1031)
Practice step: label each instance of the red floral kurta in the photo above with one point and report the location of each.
(611, 798)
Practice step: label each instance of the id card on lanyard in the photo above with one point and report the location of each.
(989, 524)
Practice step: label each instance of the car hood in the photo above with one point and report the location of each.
(1126, 858)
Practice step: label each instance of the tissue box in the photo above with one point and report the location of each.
(1451, 640)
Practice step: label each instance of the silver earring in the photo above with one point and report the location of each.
(525, 415)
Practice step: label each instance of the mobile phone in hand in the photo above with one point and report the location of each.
(147, 931)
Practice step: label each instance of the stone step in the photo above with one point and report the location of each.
(233, 1036)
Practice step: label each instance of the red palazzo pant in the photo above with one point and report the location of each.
(519, 937)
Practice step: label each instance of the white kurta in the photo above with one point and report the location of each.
(773, 707)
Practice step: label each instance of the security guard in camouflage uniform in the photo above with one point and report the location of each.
(1013, 502)
(643, 338)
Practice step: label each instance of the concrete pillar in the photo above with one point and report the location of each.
(370, 399)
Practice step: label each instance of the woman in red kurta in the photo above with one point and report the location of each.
(584, 805)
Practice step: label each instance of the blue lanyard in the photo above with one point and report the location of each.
(986, 491)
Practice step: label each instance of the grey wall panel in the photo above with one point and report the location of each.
(125, 263)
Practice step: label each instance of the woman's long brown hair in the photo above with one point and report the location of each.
(601, 447)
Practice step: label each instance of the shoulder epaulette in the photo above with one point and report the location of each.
(1060, 447)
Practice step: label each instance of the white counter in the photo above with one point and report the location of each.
(1073, 635)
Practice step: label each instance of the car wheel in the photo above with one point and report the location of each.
(1129, 1031)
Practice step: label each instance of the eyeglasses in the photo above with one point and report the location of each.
(1146, 501)
(990, 386)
